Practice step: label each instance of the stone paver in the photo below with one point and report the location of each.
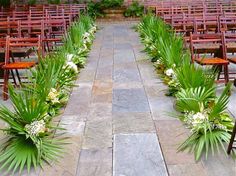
(137, 155)
(95, 163)
(129, 100)
(125, 123)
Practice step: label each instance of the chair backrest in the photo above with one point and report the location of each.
(27, 28)
(22, 43)
(55, 25)
(205, 44)
(229, 43)
(9, 28)
(227, 24)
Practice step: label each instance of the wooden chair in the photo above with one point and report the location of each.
(229, 46)
(207, 49)
(9, 28)
(54, 36)
(18, 47)
(227, 24)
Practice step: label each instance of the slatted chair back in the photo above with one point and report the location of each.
(229, 47)
(9, 28)
(31, 28)
(202, 44)
(24, 44)
(227, 24)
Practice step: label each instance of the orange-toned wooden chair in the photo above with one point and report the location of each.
(207, 49)
(19, 47)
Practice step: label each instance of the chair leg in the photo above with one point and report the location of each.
(219, 69)
(226, 72)
(18, 76)
(13, 77)
(232, 140)
(235, 82)
(5, 85)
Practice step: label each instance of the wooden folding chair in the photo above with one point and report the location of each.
(19, 47)
(232, 140)
(229, 50)
(56, 29)
(207, 49)
(9, 28)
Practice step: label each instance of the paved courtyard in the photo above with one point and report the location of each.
(119, 119)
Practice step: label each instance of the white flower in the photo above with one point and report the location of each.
(72, 66)
(221, 127)
(53, 96)
(93, 30)
(69, 57)
(170, 72)
(36, 127)
(158, 62)
(86, 35)
(55, 100)
(199, 118)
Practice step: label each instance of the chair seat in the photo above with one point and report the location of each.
(233, 60)
(19, 65)
(211, 61)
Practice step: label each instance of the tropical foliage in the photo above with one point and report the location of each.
(32, 138)
(193, 86)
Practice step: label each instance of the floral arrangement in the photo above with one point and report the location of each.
(201, 110)
(31, 137)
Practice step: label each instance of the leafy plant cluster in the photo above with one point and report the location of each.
(32, 2)
(54, 1)
(194, 87)
(134, 10)
(5, 3)
(31, 137)
(95, 9)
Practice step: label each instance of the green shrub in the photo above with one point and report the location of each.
(5, 3)
(95, 9)
(54, 1)
(32, 2)
(134, 10)
(111, 3)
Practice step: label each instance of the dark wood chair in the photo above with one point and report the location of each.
(56, 29)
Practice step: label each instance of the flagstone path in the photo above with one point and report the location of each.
(117, 117)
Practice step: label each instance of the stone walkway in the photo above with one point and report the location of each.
(118, 117)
